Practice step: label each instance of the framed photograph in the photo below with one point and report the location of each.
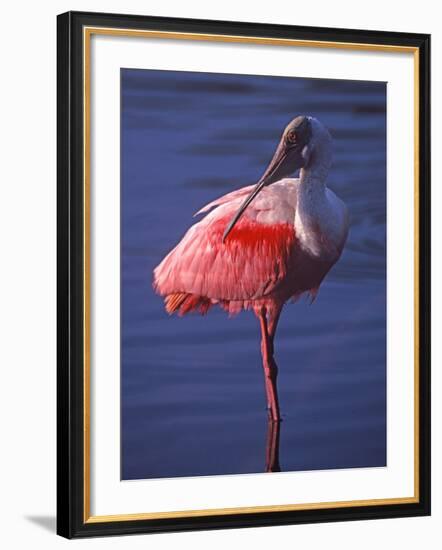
(243, 274)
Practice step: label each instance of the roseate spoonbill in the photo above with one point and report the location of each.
(262, 245)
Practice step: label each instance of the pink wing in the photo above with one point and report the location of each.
(249, 265)
(229, 197)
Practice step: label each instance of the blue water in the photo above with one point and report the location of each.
(193, 400)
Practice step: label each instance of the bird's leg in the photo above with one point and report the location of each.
(273, 324)
(272, 446)
(270, 368)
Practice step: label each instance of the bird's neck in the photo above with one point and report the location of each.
(311, 182)
(314, 175)
(311, 214)
(317, 221)
(312, 185)
(312, 198)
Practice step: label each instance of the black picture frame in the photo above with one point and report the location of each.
(71, 519)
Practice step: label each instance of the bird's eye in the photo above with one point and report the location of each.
(291, 136)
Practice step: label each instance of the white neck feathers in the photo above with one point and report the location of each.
(318, 219)
(319, 157)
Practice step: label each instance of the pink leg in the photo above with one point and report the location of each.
(270, 368)
(273, 324)
(272, 446)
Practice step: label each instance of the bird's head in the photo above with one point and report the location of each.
(294, 151)
(290, 154)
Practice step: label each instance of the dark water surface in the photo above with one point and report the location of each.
(193, 400)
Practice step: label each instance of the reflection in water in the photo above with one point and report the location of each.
(272, 446)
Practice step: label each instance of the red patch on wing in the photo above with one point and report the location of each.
(249, 233)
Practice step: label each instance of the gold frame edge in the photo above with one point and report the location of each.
(87, 33)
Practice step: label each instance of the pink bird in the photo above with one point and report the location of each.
(262, 245)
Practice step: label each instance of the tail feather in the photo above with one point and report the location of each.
(173, 302)
(183, 303)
